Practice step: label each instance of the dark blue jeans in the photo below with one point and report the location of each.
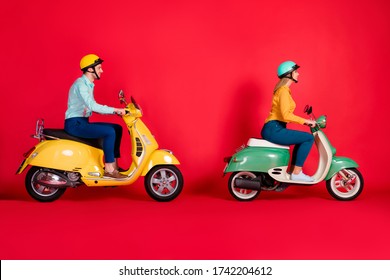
(110, 132)
(276, 132)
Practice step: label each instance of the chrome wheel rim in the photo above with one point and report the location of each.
(164, 182)
(40, 189)
(345, 188)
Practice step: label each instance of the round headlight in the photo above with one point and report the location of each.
(321, 121)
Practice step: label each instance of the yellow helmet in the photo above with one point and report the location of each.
(90, 60)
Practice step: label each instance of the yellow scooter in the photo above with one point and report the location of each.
(60, 161)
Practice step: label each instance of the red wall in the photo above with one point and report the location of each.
(203, 73)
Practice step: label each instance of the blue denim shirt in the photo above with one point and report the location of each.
(81, 102)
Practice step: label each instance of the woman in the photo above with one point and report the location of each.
(81, 104)
(282, 112)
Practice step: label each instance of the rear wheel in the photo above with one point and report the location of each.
(347, 184)
(164, 182)
(35, 178)
(239, 193)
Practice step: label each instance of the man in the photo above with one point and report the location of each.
(81, 104)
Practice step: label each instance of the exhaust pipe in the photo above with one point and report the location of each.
(52, 179)
(49, 184)
(249, 184)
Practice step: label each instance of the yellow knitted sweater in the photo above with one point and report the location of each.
(283, 106)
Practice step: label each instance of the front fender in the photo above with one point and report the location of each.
(159, 157)
(339, 163)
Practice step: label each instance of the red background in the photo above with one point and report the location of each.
(204, 72)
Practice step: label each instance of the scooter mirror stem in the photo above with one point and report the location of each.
(121, 96)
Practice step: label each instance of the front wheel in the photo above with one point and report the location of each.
(164, 182)
(347, 184)
(238, 193)
(40, 192)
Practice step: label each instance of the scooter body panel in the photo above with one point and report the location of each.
(65, 155)
(339, 163)
(258, 159)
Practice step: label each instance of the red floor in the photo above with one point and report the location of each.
(203, 223)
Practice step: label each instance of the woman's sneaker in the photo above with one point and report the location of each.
(301, 177)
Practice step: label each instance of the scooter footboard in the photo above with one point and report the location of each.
(339, 163)
(159, 157)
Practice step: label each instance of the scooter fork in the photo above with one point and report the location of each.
(347, 180)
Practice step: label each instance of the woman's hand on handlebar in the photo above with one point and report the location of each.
(120, 112)
(310, 123)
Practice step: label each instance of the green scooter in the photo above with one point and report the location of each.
(262, 166)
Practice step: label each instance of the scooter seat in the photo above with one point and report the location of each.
(257, 142)
(55, 133)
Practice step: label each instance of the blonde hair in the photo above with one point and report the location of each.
(282, 82)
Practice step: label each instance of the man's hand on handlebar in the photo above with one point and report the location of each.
(120, 112)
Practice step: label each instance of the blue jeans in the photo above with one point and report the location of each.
(110, 132)
(276, 132)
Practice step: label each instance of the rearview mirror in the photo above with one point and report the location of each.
(121, 96)
(308, 109)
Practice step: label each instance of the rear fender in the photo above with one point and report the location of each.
(22, 166)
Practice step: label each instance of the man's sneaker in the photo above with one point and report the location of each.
(301, 177)
(114, 175)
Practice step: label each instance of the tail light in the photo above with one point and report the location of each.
(29, 152)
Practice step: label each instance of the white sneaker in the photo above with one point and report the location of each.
(301, 177)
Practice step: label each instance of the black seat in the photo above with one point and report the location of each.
(61, 134)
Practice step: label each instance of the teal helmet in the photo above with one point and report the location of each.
(287, 67)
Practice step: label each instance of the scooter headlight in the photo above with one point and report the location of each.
(321, 121)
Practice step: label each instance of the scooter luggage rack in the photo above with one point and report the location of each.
(51, 137)
(39, 131)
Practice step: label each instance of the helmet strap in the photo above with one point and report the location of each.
(94, 72)
(289, 76)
